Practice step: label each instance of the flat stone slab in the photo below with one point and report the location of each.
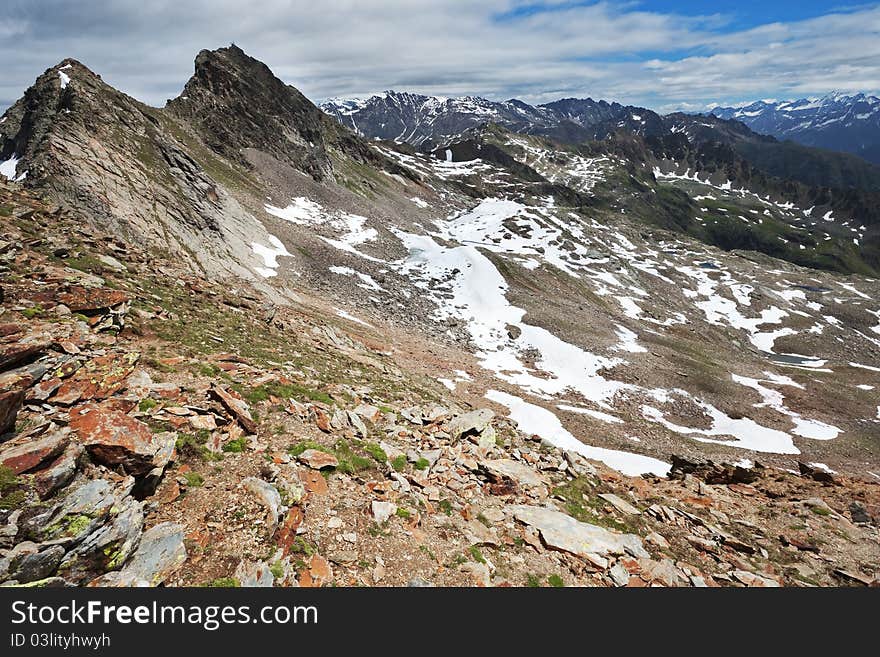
(563, 532)
(620, 504)
(473, 422)
(519, 472)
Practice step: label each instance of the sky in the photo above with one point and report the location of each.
(663, 54)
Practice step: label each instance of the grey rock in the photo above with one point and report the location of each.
(160, 553)
(252, 574)
(563, 532)
(358, 424)
(579, 465)
(413, 414)
(59, 473)
(418, 582)
(35, 565)
(79, 514)
(382, 511)
(620, 504)
(471, 423)
(519, 472)
(619, 575)
(109, 546)
(268, 496)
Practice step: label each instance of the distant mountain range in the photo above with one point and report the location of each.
(837, 122)
(431, 122)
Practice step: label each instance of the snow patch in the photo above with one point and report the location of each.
(538, 420)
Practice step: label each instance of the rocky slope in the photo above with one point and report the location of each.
(836, 121)
(508, 362)
(146, 452)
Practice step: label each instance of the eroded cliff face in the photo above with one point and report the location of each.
(127, 168)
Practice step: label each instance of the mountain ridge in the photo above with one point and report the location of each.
(836, 121)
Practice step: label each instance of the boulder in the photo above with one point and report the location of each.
(85, 508)
(113, 438)
(237, 406)
(318, 460)
(27, 563)
(27, 452)
(382, 511)
(563, 532)
(109, 546)
(59, 472)
(268, 496)
(518, 472)
(161, 552)
(10, 404)
(471, 423)
(97, 379)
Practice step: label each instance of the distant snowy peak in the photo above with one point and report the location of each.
(837, 121)
(431, 121)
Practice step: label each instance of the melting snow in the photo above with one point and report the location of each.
(599, 415)
(305, 212)
(775, 400)
(538, 420)
(270, 256)
(8, 169)
(367, 281)
(341, 313)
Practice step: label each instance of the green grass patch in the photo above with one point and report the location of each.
(224, 583)
(282, 391)
(193, 479)
(236, 446)
(147, 404)
(476, 555)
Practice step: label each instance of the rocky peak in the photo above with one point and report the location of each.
(128, 167)
(234, 102)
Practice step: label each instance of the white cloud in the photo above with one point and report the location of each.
(611, 50)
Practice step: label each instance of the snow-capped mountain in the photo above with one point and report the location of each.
(836, 121)
(430, 121)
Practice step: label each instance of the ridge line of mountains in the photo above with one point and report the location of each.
(837, 122)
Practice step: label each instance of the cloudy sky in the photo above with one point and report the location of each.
(664, 54)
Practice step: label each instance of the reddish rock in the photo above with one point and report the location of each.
(114, 438)
(44, 389)
(317, 574)
(97, 379)
(10, 403)
(27, 452)
(87, 300)
(15, 354)
(285, 537)
(233, 402)
(313, 481)
(318, 460)
(322, 420)
(9, 329)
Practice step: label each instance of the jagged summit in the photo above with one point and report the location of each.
(235, 102)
